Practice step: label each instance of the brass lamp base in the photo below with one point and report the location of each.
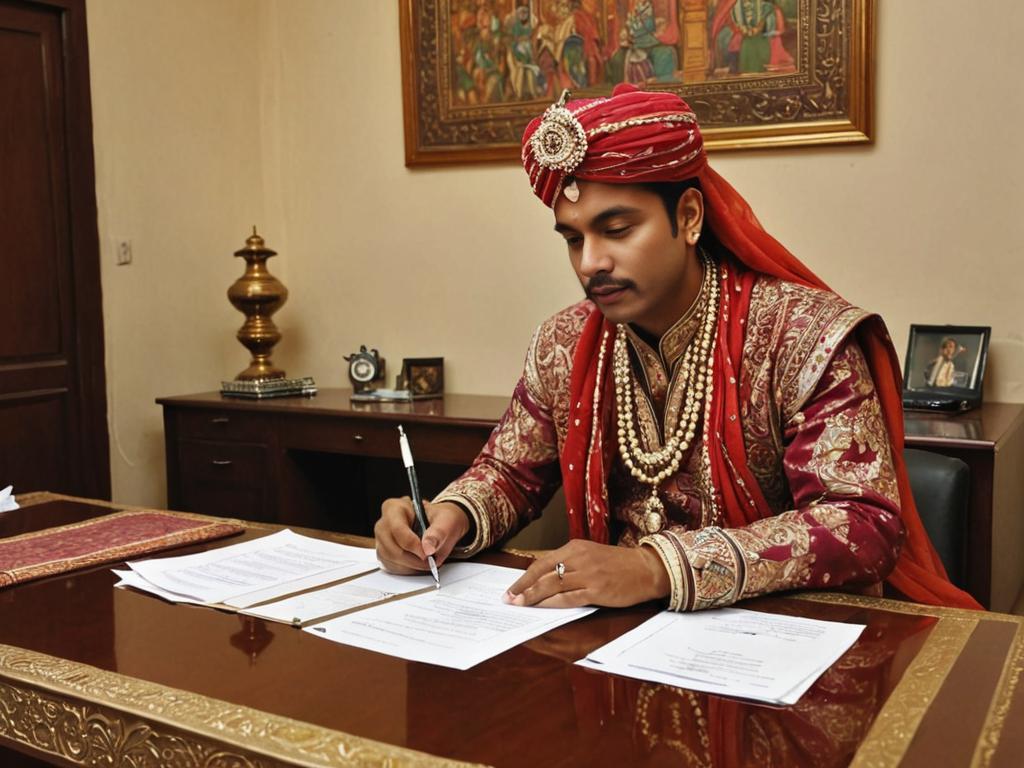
(258, 295)
(260, 370)
(265, 388)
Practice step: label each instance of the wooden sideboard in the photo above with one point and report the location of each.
(990, 440)
(321, 462)
(326, 462)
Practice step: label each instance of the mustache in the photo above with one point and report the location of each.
(603, 280)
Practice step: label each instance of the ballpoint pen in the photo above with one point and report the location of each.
(417, 502)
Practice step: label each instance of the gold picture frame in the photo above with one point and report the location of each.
(474, 72)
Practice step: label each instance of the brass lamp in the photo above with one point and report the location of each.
(258, 295)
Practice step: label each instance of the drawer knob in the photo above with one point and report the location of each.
(219, 420)
(221, 462)
(358, 438)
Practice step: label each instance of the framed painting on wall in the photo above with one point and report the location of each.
(758, 73)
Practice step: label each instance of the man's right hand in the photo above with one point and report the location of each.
(400, 550)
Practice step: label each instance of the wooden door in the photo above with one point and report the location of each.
(53, 430)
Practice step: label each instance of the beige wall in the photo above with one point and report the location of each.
(213, 116)
(176, 99)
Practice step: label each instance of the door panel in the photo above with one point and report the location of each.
(53, 433)
(32, 464)
(28, 208)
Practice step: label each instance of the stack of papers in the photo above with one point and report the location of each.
(729, 652)
(242, 575)
(303, 581)
(7, 502)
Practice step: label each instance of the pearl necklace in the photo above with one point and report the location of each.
(695, 371)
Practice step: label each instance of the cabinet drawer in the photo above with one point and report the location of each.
(378, 438)
(214, 424)
(225, 479)
(359, 437)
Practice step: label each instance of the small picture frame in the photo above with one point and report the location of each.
(947, 359)
(423, 376)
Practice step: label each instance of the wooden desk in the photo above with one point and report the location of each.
(321, 462)
(91, 675)
(990, 440)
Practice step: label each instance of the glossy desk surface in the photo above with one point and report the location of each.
(91, 673)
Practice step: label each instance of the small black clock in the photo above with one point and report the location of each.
(366, 369)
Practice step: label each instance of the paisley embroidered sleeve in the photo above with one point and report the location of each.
(517, 471)
(845, 525)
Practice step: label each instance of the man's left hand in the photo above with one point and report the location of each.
(594, 574)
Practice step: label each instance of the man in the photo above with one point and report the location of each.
(711, 410)
(941, 371)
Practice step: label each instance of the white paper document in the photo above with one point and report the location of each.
(286, 588)
(256, 570)
(132, 579)
(356, 593)
(729, 651)
(7, 501)
(458, 626)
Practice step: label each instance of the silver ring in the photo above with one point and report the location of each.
(560, 570)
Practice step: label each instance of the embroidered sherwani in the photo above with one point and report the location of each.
(814, 436)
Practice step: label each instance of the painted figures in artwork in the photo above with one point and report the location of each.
(527, 50)
(747, 38)
(524, 73)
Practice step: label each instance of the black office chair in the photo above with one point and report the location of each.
(941, 485)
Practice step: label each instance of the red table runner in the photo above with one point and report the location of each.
(101, 540)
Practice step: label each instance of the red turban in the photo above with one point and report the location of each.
(631, 136)
(636, 136)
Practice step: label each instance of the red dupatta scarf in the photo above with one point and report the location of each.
(590, 443)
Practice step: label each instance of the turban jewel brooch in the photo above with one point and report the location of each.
(559, 143)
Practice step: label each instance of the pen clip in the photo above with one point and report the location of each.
(403, 443)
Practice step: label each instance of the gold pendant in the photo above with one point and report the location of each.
(654, 513)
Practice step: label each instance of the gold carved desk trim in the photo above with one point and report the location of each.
(897, 722)
(894, 727)
(78, 712)
(1013, 669)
